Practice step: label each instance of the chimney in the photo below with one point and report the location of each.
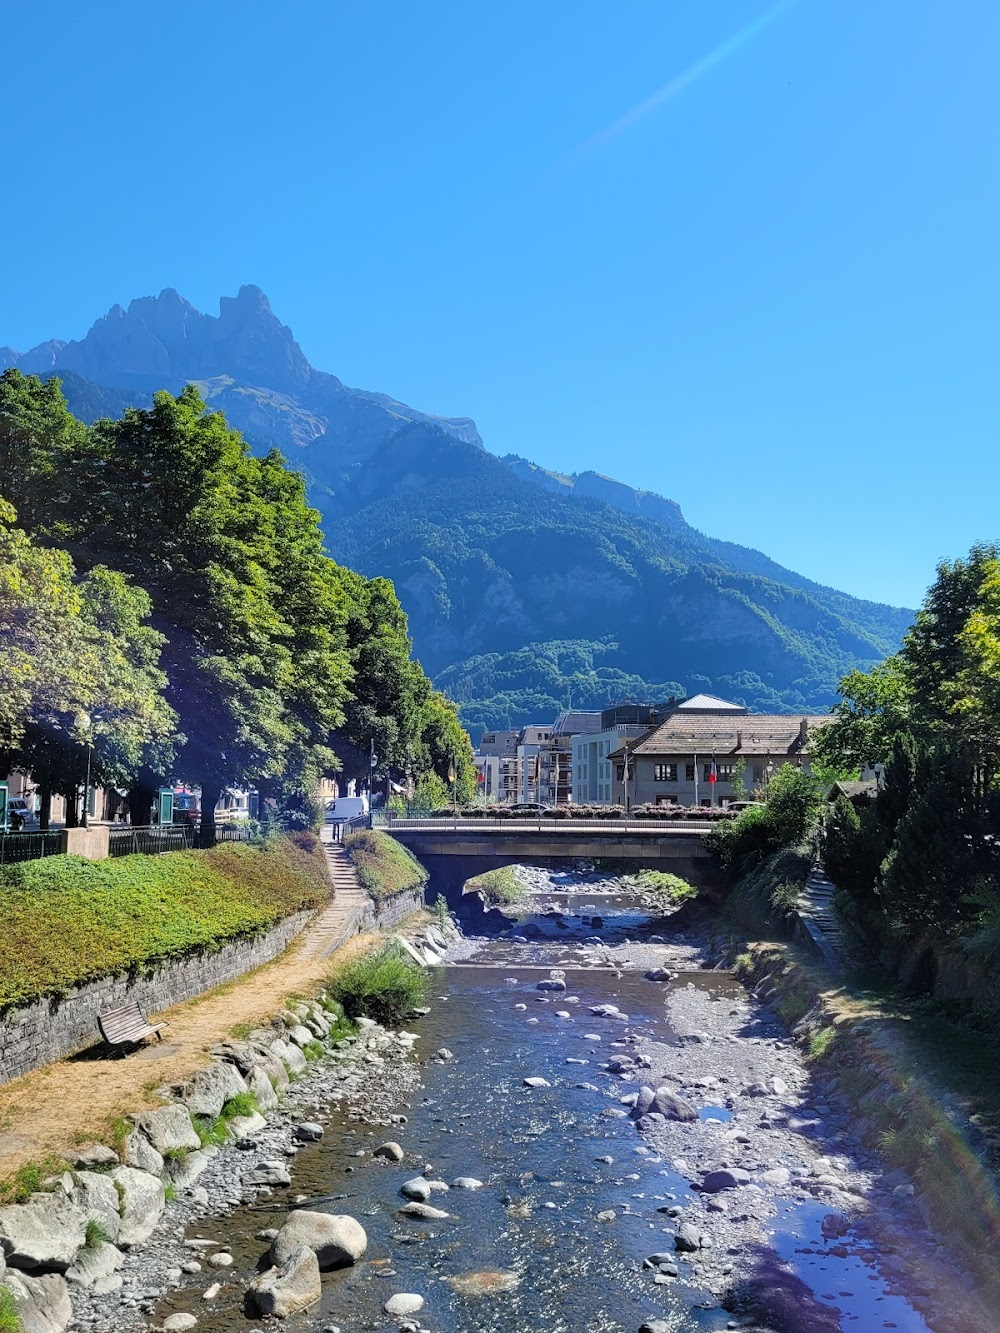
(739, 740)
(804, 732)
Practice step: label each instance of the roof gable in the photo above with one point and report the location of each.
(708, 703)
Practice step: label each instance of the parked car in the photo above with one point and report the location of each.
(17, 805)
(738, 806)
(530, 808)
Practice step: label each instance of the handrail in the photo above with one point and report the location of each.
(558, 827)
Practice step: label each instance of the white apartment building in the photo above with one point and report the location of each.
(593, 779)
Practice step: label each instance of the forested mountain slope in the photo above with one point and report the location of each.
(527, 590)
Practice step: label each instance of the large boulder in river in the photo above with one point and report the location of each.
(212, 1087)
(288, 1288)
(335, 1238)
(667, 1103)
(43, 1303)
(45, 1232)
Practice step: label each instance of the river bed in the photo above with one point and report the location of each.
(574, 1198)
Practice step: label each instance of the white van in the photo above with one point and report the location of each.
(346, 807)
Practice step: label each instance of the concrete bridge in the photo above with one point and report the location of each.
(527, 840)
(456, 851)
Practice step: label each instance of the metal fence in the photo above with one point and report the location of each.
(28, 846)
(153, 839)
(150, 840)
(341, 827)
(229, 833)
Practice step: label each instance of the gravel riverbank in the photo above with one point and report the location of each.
(677, 1141)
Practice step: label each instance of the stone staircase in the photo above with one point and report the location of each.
(349, 911)
(818, 918)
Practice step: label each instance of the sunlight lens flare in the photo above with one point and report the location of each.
(685, 79)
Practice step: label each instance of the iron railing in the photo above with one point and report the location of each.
(28, 846)
(229, 833)
(150, 839)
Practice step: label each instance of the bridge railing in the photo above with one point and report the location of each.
(558, 828)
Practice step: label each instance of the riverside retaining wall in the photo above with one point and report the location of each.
(51, 1029)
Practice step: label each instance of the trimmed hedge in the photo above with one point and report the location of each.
(385, 867)
(67, 920)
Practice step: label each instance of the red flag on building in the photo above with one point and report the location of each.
(713, 775)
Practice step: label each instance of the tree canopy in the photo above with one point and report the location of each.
(229, 648)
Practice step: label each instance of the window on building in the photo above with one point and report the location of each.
(666, 798)
(664, 772)
(689, 772)
(723, 772)
(758, 774)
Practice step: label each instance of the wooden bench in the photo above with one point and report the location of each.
(126, 1026)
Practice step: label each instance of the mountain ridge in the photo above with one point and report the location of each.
(606, 585)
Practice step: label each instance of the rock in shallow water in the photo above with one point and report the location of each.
(403, 1303)
(335, 1238)
(389, 1152)
(485, 1283)
(293, 1286)
(424, 1211)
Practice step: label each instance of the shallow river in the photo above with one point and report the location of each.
(538, 1152)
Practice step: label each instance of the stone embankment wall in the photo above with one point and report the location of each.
(52, 1029)
(390, 912)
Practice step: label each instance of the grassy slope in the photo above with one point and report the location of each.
(385, 867)
(67, 920)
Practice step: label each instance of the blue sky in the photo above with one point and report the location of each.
(771, 293)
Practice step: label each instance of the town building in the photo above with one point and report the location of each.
(694, 753)
(497, 767)
(592, 769)
(557, 756)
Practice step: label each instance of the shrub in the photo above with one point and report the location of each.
(382, 985)
(10, 1320)
(854, 848)
(670, 889)
(29, 1179)
(384, 866)
(764, 898)
(789, 814)
(67, 920)
(212, 1133)
(498, 887)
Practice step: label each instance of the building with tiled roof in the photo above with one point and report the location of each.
(691, 756)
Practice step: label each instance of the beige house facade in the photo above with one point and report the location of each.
(697, 751)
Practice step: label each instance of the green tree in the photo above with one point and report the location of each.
(854, 847)
(933, 862)
(447, 750)
(180, 508)
(40, 444)
(80, 669)
(873, 709)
